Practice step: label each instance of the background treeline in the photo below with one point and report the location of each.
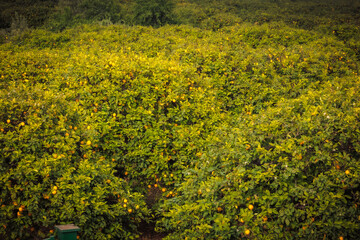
(59, 14)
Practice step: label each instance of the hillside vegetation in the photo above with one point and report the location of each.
(218, 120)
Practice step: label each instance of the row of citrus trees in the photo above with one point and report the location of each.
(250, 131)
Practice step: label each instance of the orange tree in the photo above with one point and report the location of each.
(291, 171)
(236, 135)
(286, 165)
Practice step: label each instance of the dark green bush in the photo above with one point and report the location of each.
(100, 10)
(154, 12)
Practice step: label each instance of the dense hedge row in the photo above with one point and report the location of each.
(249, 131)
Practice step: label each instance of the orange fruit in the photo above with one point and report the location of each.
(251, 207)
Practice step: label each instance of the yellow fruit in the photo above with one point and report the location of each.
(124, 205)
(347, 172)
(137, 207)
(53, 192)
(251, 207)
(247, 232)
(22, 124)
(125, 200)
(130, 210)
(88, 143)
(163, 189)
(75, 128)
(8, 121)
(55, 188)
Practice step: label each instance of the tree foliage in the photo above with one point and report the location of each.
(154, 12)
(227, 130)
